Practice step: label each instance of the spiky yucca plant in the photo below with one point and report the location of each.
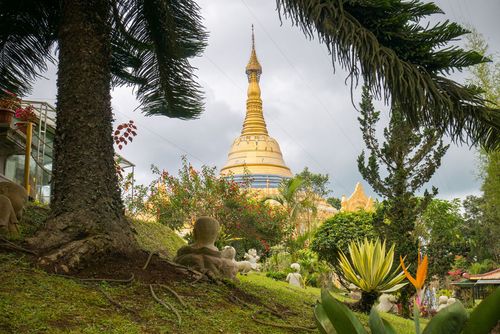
(369, 269)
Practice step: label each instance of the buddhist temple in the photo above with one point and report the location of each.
(357, 201)
(254, 153)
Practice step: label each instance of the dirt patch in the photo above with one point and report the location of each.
(123, 267)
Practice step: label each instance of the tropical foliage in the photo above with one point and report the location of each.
(334, 317)
(384, 43)
(370, 268)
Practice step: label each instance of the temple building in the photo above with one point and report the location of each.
(254, 153)
(357, 201)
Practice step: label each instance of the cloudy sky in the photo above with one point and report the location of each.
(306, 105)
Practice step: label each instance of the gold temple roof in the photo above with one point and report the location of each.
(254, 151)
(357, 201)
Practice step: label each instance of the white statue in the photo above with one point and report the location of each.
(295, 278)
(253, 258)
(387, 303)
(443, 302)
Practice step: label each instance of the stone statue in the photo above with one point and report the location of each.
(253, 258)
(443, 301)
(295, 278)
(17, 195)
(230, 266)
(387, 303)
(8, 219)
(203, 255)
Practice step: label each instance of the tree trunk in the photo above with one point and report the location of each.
(367, 301)
(87, 219)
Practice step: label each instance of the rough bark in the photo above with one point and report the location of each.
(87, 218)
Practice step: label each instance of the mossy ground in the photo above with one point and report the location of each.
(33, 301)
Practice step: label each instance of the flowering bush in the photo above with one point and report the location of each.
(26, 114)
(246, 221)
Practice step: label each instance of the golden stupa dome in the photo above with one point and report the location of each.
(254, 152)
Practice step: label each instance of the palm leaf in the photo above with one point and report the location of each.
(27, 33)
(401, 61)
(156, 38)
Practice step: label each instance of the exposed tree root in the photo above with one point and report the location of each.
(238, 301)
(185, 269)
(148, 260)
(114, 302)
(12, 246)
(308, 329)
(165, 304)
(179, 298)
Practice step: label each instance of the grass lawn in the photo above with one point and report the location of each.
(33, 301)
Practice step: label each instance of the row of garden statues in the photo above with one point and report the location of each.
(204, 256)
(387, 303)
(13, 198)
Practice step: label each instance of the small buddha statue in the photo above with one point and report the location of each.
(203, 255)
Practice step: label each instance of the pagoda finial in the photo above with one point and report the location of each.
(254, 120)
(253, 66)
(253, 39)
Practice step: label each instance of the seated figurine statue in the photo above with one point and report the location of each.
(253, 258)
(442, 302)
(230, 266)
(295, 278)
(203, 255)
(387, 303)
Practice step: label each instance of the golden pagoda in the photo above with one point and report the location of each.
(254, 152)
(357, 201)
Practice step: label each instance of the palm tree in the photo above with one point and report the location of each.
(100, 44)
(106, 43)
(294, 200)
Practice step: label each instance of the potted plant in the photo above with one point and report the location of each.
(25, 114)
(8, 104)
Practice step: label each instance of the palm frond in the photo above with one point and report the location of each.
(155, 38)
(27, 33)
(382, 43)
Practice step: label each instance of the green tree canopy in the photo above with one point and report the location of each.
(445, 237)
(336, 233)
(314, 182)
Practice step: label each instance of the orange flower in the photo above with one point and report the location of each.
(418, 281)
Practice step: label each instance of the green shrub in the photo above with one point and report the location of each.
(338, 231)
(315, 272)
(277, 275)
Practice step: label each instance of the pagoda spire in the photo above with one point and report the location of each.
(254, 123)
